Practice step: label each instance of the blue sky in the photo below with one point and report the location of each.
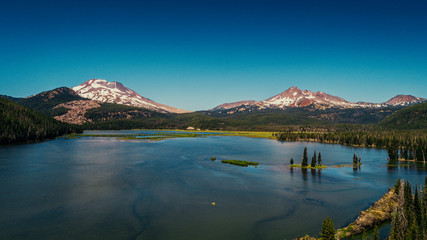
(198, 54)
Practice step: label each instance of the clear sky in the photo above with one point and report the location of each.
(195, 55)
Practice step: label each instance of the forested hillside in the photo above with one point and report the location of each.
(21, 124)
(45, 102)
(413, 117)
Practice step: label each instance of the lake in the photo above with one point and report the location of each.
(105, 188)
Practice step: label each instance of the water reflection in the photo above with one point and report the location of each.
(304, 174)
(110, 189)
(356, 168)
(313, 172)
(405, 166)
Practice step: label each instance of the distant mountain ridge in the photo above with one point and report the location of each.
(295, 97)
(114, 92)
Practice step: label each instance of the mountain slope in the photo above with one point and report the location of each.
(413, 117)
(404, 100)
(46, 101)
(235, 104)
(295, 97)
(114, 92)
(21, 124)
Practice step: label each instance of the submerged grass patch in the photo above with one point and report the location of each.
(306, 167)
(152, 137)
(240, 163)
(271, 135)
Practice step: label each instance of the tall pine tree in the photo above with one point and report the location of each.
(376, 233)
(354, 158)
(304, 158)
(313, 160)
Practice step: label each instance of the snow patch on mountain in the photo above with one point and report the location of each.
(114, 92)
(295, 97)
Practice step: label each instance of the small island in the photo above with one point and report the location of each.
(240, 163)
(316, 162)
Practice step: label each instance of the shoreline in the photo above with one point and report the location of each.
(376, 214)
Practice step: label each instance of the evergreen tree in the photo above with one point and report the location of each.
(364, 236)
(396, 231)
(319, 159)
(376, 233)
(304, 158)
(328, 229)
(411, 154)
(424, 210)
(397, 186)
(399, 221)
(292, 161)
(411, 234)
(405, 153)
(313, 160)
(408, 204)
(418, 212)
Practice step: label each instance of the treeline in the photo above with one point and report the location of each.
(315, 161)
(21, 124)
(409, 220)
(409, 145)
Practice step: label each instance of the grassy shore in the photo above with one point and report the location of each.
(307, 167)
(166, 134)
(254, 134)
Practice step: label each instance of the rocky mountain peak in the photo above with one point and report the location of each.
(295, 97)
(114, 92)
(404, 100)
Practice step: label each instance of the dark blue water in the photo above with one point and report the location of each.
(103, 188)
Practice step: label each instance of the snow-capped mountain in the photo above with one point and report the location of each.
(114, 92)
(295, 97)
(404, 100)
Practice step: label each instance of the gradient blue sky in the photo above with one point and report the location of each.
(198, 54)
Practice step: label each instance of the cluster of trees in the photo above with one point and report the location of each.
(21, 124)
(357, 160)
(408, 149)
(410, 145)
(409, 220)
(328, 231)
(315, 161)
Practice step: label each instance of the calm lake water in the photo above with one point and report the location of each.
(104, 188)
